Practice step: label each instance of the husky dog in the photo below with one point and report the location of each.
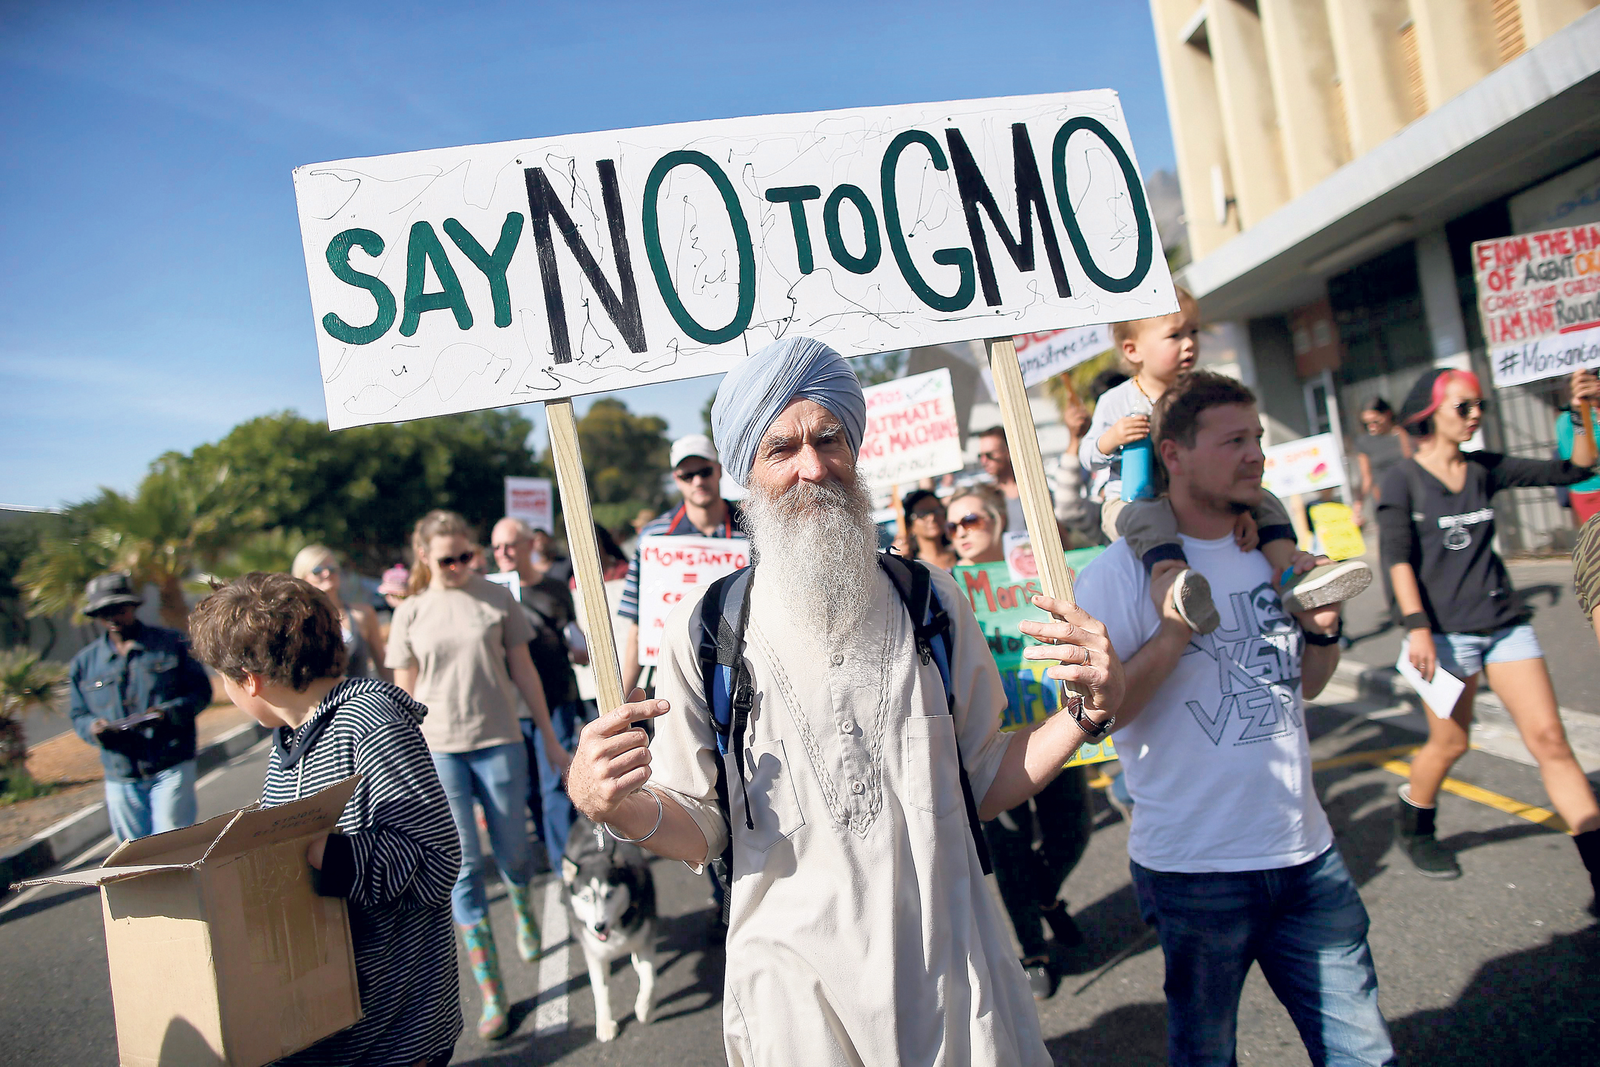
(612, 898)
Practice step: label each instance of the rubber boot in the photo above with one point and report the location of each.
(1588, 844)
(1413, 829)
(529, 941)
(493, 1023)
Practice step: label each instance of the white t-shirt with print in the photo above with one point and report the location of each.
(1218, 762)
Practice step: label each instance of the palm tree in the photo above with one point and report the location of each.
(26, 683)
(185, 516)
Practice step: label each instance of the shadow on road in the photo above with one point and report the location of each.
(1134, 1035)
(1536, 1007)
(45, 903)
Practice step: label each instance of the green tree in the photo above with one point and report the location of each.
(625, 456)
(26, 684)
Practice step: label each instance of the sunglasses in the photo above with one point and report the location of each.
(995, 456)
(927, 513)
(689, 476)
(453, 562)
(1468, 407)
(509, 547)
(326, 568)
(970, 521)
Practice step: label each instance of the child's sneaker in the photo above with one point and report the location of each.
(1324, 584)
(1191, 596)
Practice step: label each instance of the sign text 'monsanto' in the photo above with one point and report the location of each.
(464, 278)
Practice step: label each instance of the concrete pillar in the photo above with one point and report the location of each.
(1456, 43)
(1541, 18)
(1249, 112)
(1300, 62)
(1196, 121)
(1441, 304)
(1365, 35)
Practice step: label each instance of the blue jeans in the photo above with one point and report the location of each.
(497, 778)
(554, 810)
(152, 805)
(1307, 928)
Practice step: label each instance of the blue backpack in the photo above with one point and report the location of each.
(724, 614)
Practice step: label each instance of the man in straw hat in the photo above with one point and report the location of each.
(860, 927)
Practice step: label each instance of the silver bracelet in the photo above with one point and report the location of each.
(660, 811)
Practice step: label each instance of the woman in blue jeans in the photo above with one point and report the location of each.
(1460, 612)
(459, 644)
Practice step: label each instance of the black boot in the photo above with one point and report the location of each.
(1413, 828)
(1589, 848)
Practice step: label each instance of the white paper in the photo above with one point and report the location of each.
(1439, 695)
(511, 580)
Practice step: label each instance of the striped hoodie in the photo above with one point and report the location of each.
(394, 858)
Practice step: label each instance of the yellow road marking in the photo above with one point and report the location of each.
(1386, 758)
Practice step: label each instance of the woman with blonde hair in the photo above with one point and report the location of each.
(363, 637)
(976, 524)
(459, 644)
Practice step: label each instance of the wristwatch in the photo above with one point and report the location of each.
(1074, 706)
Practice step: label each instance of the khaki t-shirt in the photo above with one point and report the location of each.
(458, 640)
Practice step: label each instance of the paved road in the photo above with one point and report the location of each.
(1495, 970)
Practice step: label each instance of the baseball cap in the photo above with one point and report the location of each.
(695, 444)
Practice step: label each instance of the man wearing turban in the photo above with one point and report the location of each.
(861, 929)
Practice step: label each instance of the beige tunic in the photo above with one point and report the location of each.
(862, 931)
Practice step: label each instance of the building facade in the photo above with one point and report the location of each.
(1337, 160)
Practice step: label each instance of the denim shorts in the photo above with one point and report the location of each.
(1464, 655)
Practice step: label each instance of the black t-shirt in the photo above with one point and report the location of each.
(548, 605)
(1383, 451)
(1447, 537)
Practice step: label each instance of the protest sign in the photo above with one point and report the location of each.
(912, 430)
(1539, 301)
(1045, 355)
(463, 278)
(1000, 604)
(1336, 530)
(671, 568)
(1307, 465)
(530, 500)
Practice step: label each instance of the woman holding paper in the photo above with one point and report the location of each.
(1460, 611)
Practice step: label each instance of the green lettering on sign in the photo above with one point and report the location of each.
(1141, 211)
(960, 258)
(493, 264)
(741, 236)
(339, 262)
(424, 248)
(796, 196)
(869, 227)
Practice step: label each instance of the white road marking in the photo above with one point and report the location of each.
(550, 1017)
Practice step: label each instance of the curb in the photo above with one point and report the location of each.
(55, 844)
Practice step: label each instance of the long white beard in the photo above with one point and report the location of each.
(818, 542)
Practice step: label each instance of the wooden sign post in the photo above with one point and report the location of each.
(537, 270)
(1022, 440)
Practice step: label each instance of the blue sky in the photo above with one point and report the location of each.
(155, 290)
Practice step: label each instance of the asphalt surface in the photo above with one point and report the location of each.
(1495, 969)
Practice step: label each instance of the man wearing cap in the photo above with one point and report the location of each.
(135, 693)
(861, 929)
(702, 513)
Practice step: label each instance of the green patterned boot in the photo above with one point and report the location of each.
(529, 941)
(493, 1023)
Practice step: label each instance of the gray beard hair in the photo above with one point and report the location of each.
(818, 544)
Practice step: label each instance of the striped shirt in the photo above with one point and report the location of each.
(395, 859)
(674, 523)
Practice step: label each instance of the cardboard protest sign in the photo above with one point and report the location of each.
(464, 278)
(1000, 604)
(1539, 301)
(531, 500)
(912, 430)
(1045, 355)
(671, 568)
(1307, 465)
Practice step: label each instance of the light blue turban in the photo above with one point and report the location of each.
(754, 392)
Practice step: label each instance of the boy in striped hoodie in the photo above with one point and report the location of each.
(276, 642)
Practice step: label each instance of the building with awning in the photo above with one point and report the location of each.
(1338, 158)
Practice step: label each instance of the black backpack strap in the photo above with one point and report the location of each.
(724, 614)
(930, 624)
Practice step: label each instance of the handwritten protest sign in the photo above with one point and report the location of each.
(530, 500)
(462, 278)
(1045, 355)
(1539, 301)
(912, 430)
(1000, 604)
(1307, 465)
(671, 568)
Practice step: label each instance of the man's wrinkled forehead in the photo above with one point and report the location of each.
(801, 418)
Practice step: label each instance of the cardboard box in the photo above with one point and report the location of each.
(221, 952)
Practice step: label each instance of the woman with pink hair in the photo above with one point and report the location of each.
(1460, 612)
